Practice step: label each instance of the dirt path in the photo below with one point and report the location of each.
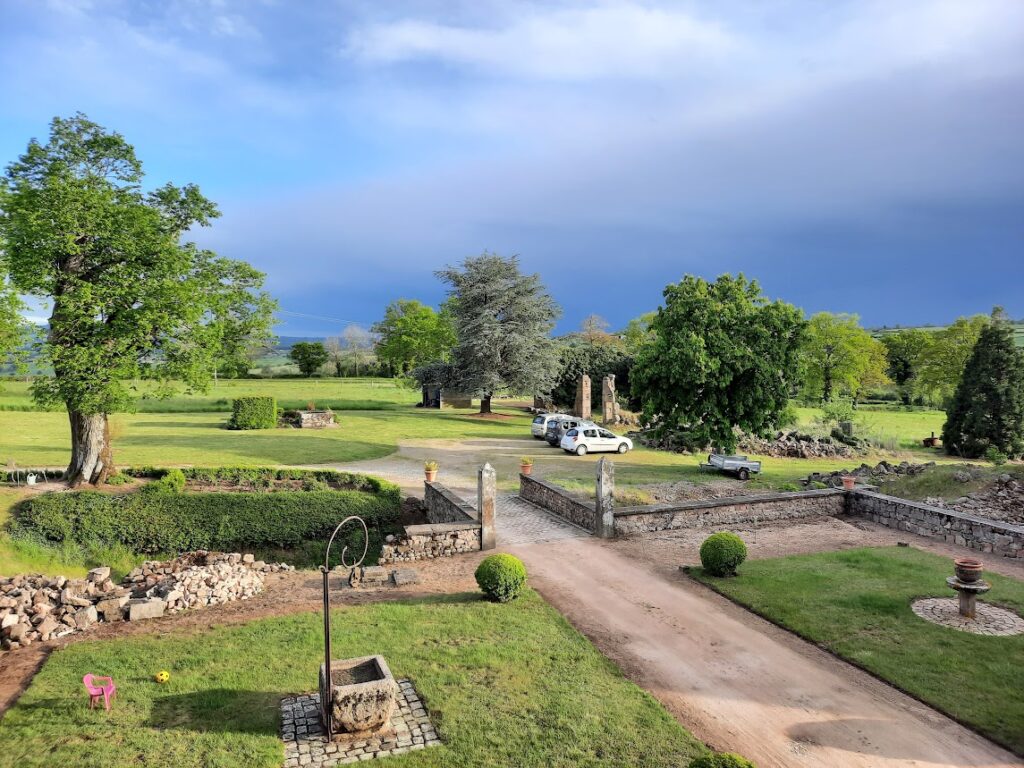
(736, 681)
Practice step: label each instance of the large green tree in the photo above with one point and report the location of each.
(903, 351)
(987, 410)
(720, 356)
(13, 330)
(942, 361)
(411, 334)
(597, 360)
(503, 321)
(840, 357)
(309, 356)
(129, 298)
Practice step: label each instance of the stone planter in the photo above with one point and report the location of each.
(361, 695)
(316, 419)
(849, 481)
(968, 570)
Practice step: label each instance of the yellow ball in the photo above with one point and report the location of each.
(162, 676)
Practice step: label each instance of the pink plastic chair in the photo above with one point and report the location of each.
(97, 686)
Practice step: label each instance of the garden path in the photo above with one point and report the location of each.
(736, 681)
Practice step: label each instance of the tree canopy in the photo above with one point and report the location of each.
(840, 357)
(411, 334)
(503, 321)
(721, 355)
(129, 299)
(904, 351)
(942, 361)
(309, 356)
(987, 410)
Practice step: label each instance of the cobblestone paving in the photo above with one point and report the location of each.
(990, 620)
(305, 743)
(519, 522)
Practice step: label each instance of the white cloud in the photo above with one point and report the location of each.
(616, 39)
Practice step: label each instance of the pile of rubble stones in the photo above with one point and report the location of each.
(36, 608)
(195, 580)
(1003, 500)
(797, 445)
(865, 473)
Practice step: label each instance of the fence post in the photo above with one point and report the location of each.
(605, 522)
(486, 496)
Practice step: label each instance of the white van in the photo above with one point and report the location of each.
(541, 421)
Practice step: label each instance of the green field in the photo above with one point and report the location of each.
(338, 394)
(509, 684)
(897, 429)
(856, 603)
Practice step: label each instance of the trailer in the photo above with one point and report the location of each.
(740, 466)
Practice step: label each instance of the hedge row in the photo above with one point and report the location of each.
(180, 522)
(264, 477)
(253, 413)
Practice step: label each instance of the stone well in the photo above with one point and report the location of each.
(361, 698)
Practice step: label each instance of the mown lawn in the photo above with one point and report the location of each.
(857, 602)
(895, 429)
(361, 394)
(200, 439)
(507, 684)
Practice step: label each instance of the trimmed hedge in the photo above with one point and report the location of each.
(169, 522)
(722, 553)
(253, 413)
(263, 478)
(501, 577)
(721, 760)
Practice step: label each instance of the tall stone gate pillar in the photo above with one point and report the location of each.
(605, 499)
(486, 498)
(609, 405)
(583, 397)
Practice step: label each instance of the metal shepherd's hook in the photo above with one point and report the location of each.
(325, 569)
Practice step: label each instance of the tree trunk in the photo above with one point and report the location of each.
(485, 404)
(92, 459)
(826, 394)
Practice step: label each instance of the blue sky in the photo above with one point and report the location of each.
(863, 157)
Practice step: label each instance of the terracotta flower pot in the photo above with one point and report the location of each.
(430, 474)
(968, 569)
(849, 481)
(525, 468)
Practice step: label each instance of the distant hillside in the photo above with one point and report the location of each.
(1018, 330)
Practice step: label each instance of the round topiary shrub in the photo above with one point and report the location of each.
(721, 760)
(721, 553)
(501, 577)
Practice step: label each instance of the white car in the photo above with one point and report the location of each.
(541, 422)
(593, 439)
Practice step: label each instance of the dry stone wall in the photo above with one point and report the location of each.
(558, 501)
(36, 608)
(443, 506)
(453, 529)
(733, 510)
(965, 530)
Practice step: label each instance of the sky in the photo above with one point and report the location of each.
(863, 157)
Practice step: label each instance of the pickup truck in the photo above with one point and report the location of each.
(740, 466)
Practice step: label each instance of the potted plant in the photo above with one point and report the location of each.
(525, 465)
(968, 569)
(430, 470)
(848, 482)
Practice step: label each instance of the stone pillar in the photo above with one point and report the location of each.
(605, 522)
(486, 497)
(583, 397)
(609, 405)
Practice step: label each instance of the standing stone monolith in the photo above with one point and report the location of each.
(605, 499)
(486, 498)
(583, 397)
(609, 404)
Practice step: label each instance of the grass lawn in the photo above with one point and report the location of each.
(505, 684)
(941, 481)
(361, 394)
(856, 603)
(199, 439)
(896, 429)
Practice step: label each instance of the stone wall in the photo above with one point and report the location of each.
(558, 501)
(453, 529)
(443, 506)
(425, 542)
(316, 419)
(949, 525)
(733, 510)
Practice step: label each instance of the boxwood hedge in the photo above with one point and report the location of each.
(253, 413)
(179, 522)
